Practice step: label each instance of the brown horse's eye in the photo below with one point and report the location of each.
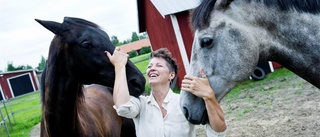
(86, 45)
(206, 42)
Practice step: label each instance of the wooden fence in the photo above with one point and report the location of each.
(8, 118)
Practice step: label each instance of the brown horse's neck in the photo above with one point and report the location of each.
(59, 107)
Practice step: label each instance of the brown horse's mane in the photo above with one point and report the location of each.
(81, 22)
(90, 106)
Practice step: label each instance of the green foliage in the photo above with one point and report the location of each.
(133, 54)
(134, 37)
(143, 35)
(145, 50)
(125, 42)
(114, 40)
(147, 89)
(42, 63)
(28, 67)
(11, 67)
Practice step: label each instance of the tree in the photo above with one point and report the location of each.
(125, 42)
(115, 40)
(143, 35)
(27, 67)
(134, 37)
(10, 67)
(42, 63)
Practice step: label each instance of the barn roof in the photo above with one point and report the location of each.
(135, 45)
(167, 7)
(17, 71)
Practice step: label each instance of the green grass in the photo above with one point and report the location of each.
(27, 113)
(140, 58)
(244, 92)
(142, 66)
(277, 74)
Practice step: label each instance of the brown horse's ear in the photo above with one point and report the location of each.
(50, 25)
(222, 4)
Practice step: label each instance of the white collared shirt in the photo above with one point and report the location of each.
(149, 122)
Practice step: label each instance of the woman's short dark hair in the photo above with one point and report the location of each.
(167, 56)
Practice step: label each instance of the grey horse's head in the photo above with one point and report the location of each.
(232, 36)
(227, 53)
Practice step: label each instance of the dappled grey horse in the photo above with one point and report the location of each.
(232, 36)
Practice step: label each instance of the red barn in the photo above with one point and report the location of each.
(15, 83)
(167, 24)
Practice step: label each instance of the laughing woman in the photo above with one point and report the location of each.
(159, 114)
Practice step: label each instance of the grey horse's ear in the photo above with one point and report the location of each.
(54, 27)
(222, 4)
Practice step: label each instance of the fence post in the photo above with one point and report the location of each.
(11, 113)
(8, 116)
(4, 121)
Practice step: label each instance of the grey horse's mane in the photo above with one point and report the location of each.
(201, 15)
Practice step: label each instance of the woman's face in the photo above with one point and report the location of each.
(158, 73)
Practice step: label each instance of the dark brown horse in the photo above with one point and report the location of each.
(76, 57)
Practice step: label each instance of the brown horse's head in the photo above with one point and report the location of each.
(78, 48)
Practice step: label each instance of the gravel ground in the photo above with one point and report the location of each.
(285, 107)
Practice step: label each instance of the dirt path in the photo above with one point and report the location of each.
(285, 107)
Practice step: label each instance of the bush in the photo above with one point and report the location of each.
(145, 50)
(133, 54)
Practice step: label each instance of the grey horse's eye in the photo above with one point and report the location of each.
(206, 42)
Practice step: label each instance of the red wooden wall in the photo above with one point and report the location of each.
(161, 32)
(186, 32)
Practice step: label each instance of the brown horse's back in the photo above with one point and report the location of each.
(96, 113)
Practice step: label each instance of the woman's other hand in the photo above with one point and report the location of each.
(198, 86)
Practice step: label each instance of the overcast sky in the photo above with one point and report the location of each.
(23, 41)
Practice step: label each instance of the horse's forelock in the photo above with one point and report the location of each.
(201, 15)
(310, 6)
